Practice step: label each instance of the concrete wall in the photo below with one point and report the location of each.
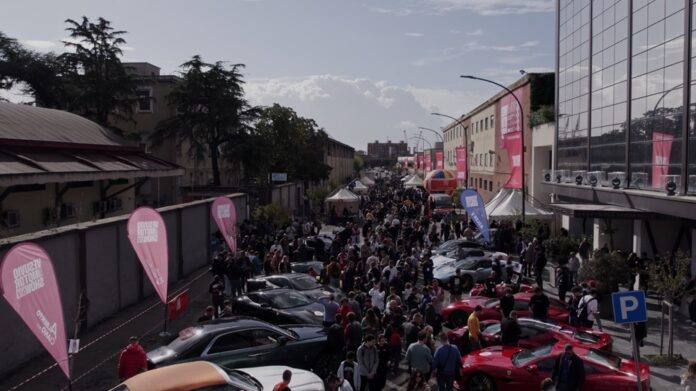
(96, 258)
(286, 195)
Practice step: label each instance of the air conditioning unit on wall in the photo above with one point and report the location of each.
(10, 218)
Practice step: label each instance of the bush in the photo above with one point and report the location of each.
(669, 277)
(558, 249)
(608, 270)
(273, 214)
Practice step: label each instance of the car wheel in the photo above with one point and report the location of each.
(467, 283)
(480, 382)
(459, 319)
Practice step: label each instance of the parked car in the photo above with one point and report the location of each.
(301, 282)
(473, 269)
(509, 368)
(303, 267)
(480, 289)
(241, 342)
(458, 313)
(200, 375)
(536, 333)
(279, 306)
(453, 245)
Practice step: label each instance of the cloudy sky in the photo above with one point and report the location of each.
(364, 69)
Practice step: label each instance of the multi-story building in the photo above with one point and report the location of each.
(625, 130)
(340, 157)
(388, 150)
(485, 127)
(57, 168)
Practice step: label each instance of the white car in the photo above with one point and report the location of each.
(204, 375)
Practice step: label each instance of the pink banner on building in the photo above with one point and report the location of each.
(460, 153)
(439, 160)
(28, 283)
(511, 123)
(428, 161)
(662, 148)
(148, 236)
(225, 215)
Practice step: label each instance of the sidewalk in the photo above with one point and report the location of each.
(95, 366)
(661, 378)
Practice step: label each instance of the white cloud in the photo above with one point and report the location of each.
(448, 54)
(481, 7)
(495, 7)
(39, 44)
(356, 110)
(416, 35)
(475, 33)
(529, 44)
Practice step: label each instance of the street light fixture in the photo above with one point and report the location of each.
(524, 192)
(466, 144)
(433, 131)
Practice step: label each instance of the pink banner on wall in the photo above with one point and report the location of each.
(428, 161)
(148, 236)
(511, 123)
(225, 214)
(28, 283)
(662, 148)
(460, 153)
(439, 160)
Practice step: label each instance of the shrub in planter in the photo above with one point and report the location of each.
(558, 249)
(608, 270)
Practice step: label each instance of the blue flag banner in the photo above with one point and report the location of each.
(476, 209)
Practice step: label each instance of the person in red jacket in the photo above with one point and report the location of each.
(132, 361)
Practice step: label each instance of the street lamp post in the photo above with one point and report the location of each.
(466, 145)
(524, 192)
(433, 131)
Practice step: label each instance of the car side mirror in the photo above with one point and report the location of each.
(282, 340)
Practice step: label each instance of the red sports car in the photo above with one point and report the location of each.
(458, 313)
(505, 368)
(536, 333)
(479, 289)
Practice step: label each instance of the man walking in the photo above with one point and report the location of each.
(456, 286)
(133, 360)
(474, 328)
(568, 371)
(510, 330)
(419, 356)
(446, 361)
(368, 360)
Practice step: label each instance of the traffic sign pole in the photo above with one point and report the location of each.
(636, 356)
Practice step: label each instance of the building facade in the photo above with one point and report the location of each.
(454, 136)
(57, 168)
(340, 157)
(388, 150)
(626, 137)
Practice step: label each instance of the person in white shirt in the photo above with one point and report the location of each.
(377, 296)
(276, 247)
(588, 310)
(336, 384)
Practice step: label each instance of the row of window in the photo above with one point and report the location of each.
(482, 184)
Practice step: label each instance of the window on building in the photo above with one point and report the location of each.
(480, 184)
(486, 123)
(144, 99)
(492, 121)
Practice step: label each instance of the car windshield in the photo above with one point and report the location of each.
(187, 338)
(448, 246)
(604, 358)
(466, 264)
(586, 337)
(490, 303)
(305, 283)
(524, 357)
(288, 299)
(442, 202)
(243, 379)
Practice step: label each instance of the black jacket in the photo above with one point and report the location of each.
(574, 378)
(510, 332)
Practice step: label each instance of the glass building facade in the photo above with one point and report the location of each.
(624, 90)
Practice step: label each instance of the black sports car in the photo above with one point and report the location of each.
(240, 342)
(296, 281)
(280, 306)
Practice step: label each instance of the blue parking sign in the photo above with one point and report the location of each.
(629, 307)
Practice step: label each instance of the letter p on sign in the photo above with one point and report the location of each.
(629, 307)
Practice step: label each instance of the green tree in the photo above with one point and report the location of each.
(213, 116)
(358, 163)
(290, 143)
(102, 84)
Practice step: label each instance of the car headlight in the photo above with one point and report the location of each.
(318, 313)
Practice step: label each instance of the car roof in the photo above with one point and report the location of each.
(233, 322)
(185, 376)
